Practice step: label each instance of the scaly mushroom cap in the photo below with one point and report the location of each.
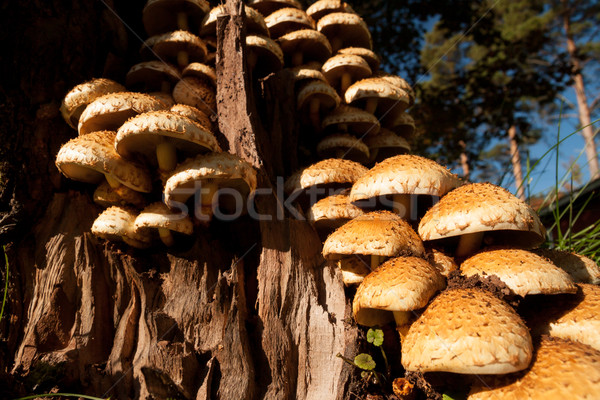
(387, 144)
(561, 370)
(268, 54)
(328, 98)
(106, 196)
(368, 55)
(400, 83)
(404, 174)
(332, 212)
(308, 71)
(194, 114)
(116, 224)
(580, 268)
(142, 134)
(349, 30)
(255, 22)
(574, 317)
(223, 169)
(88, 158)
(165, 98)
(196, 93)
(150, 75)
(356, 120)
(404, 126)
(321, 8)
(332, 171)
(483, 207)
(158, 215)
(354, 271)
(168, 45)
(313, 45)
(160, 16)
(351, 147)
(201, 71)
(111, 110)
(267, 7)
(467, 331)
(83, 94)
(286, 20)
(524, 272)
(378, 233)
(391, 101)
(399, 284)
(340, 64)
(442, 262)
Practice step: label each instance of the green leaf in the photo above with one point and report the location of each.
(375, 336)
(446, 397)
(364, 361)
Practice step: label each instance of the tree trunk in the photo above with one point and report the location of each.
(515, 159)
(464, 160)
(582, 104)
(249, 310)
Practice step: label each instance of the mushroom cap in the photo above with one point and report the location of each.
(320, 8)
(224, 169)
(331, 212)
(403, 125)
(266, 7)
(524, 272)
(380, 233)
(399, 284)
(354, 149)
(308, 71)
(143, 133)
(443, 262)
(391, 101)
(404, 174)
(467, 331)
(325, 172)
(368, 55)
(327, 96)
(116, 224)
(286, 20)
(341, 64)
(357, 121)
(255, 22)
(108, 112)
(106, 196)
(88, 158)
(581, 268)
(387, 143)
(149, 75)
(573, 317)
(561, 369)
(483, 207)
(192, 113)
(167, 45)
(348, 27)
(201, 71)
(313, 45)
(354, 271)
(158, 215)
(83, 94)
(196, 93)
(400, 83)
(268, 53)
(160, 16)
(165, 98)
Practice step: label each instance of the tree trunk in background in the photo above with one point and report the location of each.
(515, 159)
(464, 160)
(582, 104)
(247, 310)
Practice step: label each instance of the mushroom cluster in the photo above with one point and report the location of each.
(149, 145)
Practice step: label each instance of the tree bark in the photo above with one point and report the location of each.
(464, 160)
(515, 159)
(246, 310)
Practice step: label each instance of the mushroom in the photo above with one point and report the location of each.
(116, 224)
(403, 126)
(368, 55)
(197, 93)
(264, 55)
(402, 177)
(328, 214)
(255, 23)
(201, 71)
(579, 267)
(377, 97)
(400, 285)
(205, 175)
(524, 272)
(561, 370)
(160, 16)
(304, 45)
(83, 94)
(158, 216)
(194, 114)
(92, 157)
(177, 47)
(467, 331)
(307, 72)
(384, 145)
(157, 136)
(106, 196)
(342, 145)
(442, 262)
(286, 20)
(481, 212)
(373, 236)
(267, 7)
(342, 70)
(317, 98)
(344, 30)
(152, 76)
(398, 82)
(352, 120)
(165, 98)
(321, 8)
(107, 113)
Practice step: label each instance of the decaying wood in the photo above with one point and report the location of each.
(245, 310)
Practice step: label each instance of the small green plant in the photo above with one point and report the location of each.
(367, 364)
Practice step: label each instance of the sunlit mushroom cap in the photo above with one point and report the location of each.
(442, 262)
(83, 94)
(201, 71)
(326, 172)
(255, 22)
(391, 101)
(160, 16)
(341, 64)
(266, 7)
(110, 111)
(313, 45)
(404, 174)
(399, 82)
(268, 54)
(387, 144)
(308, 71)
(331, 212)
(399, 284)
(165, 98)
(368, 55)
(483, 207)
(321, 91)
(106, 196)
(354, 271)
(197, 93)
(116, 224)
(223, 169)
(467, 331)
(380, 233)
(320, 8)
(194, 114)
(286, 20)
(88, 158)
(356, 120)
(158, 215)
(561, 369)
(150, 75)
(524, 272)
(348, 28)
(352, 148)
(580, 268)
(167, 46)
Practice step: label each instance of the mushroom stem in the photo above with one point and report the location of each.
(346, 81)
(297, 58)
(340, 153)
(402, 319)
(375, 261)
(166, 156)
(183, 59)
(204, 210)
(371, 105)
(165, 87)
(468, 244)
(373, 154)
(402, 205)
(252, 59)
(166, 236)
(182, 21)
(336, 44)
(115, 184)
(313, 112)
